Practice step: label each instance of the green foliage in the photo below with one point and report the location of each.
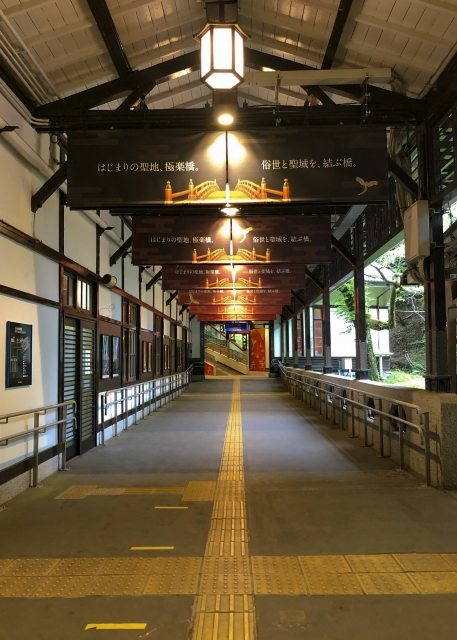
(406, 379)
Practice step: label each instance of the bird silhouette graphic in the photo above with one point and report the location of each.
(245, 233)
(365, 184)
(192, 299)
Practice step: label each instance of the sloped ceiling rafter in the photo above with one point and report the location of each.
(414, 37)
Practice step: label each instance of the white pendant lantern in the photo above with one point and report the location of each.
(222, 56)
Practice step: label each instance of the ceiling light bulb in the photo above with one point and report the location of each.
(225, 119)
(229, 211)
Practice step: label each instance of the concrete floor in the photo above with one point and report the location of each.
(310, 491)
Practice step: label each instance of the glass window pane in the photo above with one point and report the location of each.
(222, 48)
(205, 53)
(239, 54)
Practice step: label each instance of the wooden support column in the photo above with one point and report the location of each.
(295, 340)
(360, 321)
(308, 362)
(326, 335)
(271, 341)
(286, 351)
(437, 376)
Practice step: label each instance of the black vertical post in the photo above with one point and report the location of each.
(308, 361)
(286, 353)
(360, 321)
(271, 335)
(295, 340)
(281, 341)
(437, 376)
(326, 335)
(62, 201)
(202, 342)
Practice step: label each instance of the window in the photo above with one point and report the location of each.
(166, 357)
(68, 290)
(173, 333)
(106, 356)
(317, 332)
(146, 357)
(77, 292)
(178, 358)
(116, 362)
(130, 341)
(158, 329)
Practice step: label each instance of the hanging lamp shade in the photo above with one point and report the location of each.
(222, 56)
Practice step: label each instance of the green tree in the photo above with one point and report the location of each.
(389, 268)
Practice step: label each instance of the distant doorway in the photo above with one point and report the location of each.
(79, 384)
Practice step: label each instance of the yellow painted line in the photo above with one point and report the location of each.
(171, 507)
(110, 626)
(151, 548)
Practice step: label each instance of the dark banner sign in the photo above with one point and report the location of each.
(18, 354)
(223, 318)
(236, 277)
(239, 309)
(109, 169)
(262, 239)
(256, 297)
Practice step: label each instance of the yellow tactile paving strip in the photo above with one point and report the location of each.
(227, 572)
(81, 491)
(199, 491)
(220, 575)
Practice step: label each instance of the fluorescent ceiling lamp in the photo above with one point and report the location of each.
(317, 77)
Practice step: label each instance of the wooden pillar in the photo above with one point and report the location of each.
(360, 321)
(308, 361)
(437, 376)
(326, 335)
(286, 353)
(295, 340)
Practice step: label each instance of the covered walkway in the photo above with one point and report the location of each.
(233, 513)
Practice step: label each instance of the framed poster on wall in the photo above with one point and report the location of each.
(116, 357)
(18, 354)
(106, 356)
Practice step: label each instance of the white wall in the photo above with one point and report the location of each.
(80, 239)
(43, 390)
(28, 271)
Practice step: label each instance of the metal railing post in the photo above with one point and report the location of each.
(352, 415)
(365, 422)
(426, 424)
(401, 441)
(36, 435)
(381, 431)
(63, 440)
(116, 411)
(102, 418)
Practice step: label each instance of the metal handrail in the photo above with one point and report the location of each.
(41, 410)
(306, 383)
(140, 390)
(37, 429)
(372, 395)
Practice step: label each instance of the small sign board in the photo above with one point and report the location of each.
(257, 297)
(263, 239)
(238, 276)
(18, 354)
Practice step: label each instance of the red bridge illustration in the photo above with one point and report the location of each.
(220, 255)
(210, 190)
